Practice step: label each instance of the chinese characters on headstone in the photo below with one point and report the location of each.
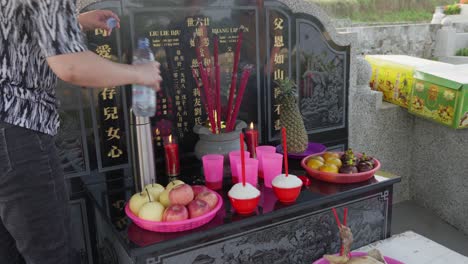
(278, 64)
(110, 128)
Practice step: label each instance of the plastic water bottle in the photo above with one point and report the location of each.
(143, 97)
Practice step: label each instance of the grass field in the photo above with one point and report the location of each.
(382, 10)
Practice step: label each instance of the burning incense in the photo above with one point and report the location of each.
(218, 96)
(285, 151)
(217, 82)
(337, 219)
(239, 97)
(211, 80)
(242, 157)
(206, 88)
(235, 68)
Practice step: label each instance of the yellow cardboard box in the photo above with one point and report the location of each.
(393, 76)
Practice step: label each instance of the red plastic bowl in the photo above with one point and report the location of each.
(177, 226)
(287, 195)
(340, 177)
(244, 206)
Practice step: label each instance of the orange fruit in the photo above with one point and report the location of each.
(320, 158)
(328, 155)
(329, 168)
(314, 164)
(335, 161)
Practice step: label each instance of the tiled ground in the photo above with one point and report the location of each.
(410, 216)
(412, 248)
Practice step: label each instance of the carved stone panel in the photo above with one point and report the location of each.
(322, 69)
(302, 239)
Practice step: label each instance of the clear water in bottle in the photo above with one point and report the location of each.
(143, 97)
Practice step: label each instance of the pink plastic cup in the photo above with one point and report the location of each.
(272, 167)
(234, 157)
(213, 170)
(251, 171)
(260, 150)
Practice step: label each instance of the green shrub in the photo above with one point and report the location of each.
(382, 10)
(462, 52)
(454, 9)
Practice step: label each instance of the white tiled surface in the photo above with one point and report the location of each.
(412, 248)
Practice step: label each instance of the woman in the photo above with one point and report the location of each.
(41, 40)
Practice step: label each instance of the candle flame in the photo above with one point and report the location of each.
(170, 139)
(251, 125)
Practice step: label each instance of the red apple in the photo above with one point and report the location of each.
(175, 213)
(197, 189)
(181, 194)
(197, 208)
(210, 198)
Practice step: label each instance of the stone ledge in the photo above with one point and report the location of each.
(384, 105)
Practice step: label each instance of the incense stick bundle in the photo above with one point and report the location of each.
(239, 97)
(235, 69)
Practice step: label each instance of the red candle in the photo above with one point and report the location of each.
(171, 151)
(252, 140)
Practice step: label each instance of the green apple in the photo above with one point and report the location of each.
(152, 211)
(173, 184)
(155, 190)
(164, 198)
(137, 201)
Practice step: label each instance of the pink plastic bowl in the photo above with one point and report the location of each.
(178, 226)
(360, 254)
(287, 195)
(340, 177)
(244, 206)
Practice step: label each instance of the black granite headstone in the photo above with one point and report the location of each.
(278, 43)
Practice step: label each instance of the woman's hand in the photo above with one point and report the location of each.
(149, 74)
(97, 19)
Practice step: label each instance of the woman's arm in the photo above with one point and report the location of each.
(89, 70)
(67, 55)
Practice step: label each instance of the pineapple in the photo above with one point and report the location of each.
(291, 117)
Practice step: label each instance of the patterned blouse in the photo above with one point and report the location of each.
(31, 31)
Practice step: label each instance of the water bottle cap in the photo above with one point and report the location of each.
(111, 23)
(143, 43)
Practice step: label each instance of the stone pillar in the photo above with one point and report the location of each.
(380, 129)
(446, 39)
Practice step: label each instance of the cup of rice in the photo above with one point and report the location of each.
(244, 199)
(287, 188)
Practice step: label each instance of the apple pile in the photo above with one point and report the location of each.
(177, 202)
